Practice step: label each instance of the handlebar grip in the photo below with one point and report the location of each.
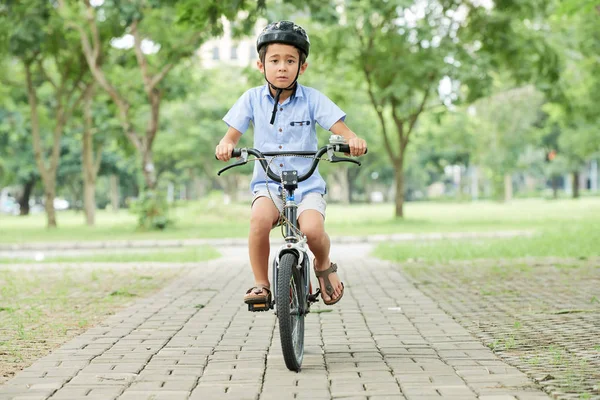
(234, 153)
(345, 148)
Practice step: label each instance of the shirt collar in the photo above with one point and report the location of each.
(299, 90)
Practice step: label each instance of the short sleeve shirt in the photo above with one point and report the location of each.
(294, 129)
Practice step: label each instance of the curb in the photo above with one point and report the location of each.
(166, 243)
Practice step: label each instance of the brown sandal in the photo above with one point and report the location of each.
(328, 287)
(254, 295)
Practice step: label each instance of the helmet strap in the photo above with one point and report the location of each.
(278, 92)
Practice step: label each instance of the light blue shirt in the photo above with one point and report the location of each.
(294, 129)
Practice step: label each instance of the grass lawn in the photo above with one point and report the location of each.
(211, 218)
(579, 240)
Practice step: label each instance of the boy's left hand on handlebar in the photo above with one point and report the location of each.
(358, 146)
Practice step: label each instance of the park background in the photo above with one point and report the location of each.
(481, 119)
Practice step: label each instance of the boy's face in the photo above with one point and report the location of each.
(281, 64)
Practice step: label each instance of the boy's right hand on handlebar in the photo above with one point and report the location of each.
(223, 151)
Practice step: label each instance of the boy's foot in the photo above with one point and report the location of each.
(258, 294)
(332, 289)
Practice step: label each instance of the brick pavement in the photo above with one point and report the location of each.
(195, 340)
(541, 315)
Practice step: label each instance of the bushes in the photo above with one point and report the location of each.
(152, 210)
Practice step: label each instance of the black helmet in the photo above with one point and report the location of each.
(285, 32)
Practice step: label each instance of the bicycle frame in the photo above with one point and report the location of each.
(292, 244)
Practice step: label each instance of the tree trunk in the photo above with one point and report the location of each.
(48, 174)
(89, 201)
(399, 181)
(555, 187)
(25, 196)
(50, 194)
(508, 189)
(148, 169)
(90, 166)
(575, 183)
(114, 192)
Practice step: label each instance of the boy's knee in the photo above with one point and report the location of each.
(314, 233)
(264, 215)
(260, 223)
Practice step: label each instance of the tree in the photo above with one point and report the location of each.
(54, 74)
(17, 164)
(572, 112)
(409, 51)
(163, 33)
(504, 131)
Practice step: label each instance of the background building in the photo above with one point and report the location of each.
(227, 50)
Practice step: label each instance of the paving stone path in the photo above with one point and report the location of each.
(196, 340)
(541, 315)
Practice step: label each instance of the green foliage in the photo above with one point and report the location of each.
(573, 116)
(151, 209)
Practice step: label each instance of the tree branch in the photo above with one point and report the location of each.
(7, 82)
(154, 118)
(91, 18)
(399, 122)
(44, 74)
(75, 104)
(379, 110)
(413, 117)
(98, 159)
(160, 76)
(35, 124)
(92, 54)
(141, 59)
(76, 82)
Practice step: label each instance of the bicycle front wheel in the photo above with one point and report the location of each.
(290, 301)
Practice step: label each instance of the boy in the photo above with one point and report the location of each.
(284, 114)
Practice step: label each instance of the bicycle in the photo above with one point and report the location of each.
(291, 272)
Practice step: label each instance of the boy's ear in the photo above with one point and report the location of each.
(303, 68)
(260, 66)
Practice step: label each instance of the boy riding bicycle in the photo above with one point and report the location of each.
(284, 114)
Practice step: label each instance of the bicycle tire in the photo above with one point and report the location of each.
(290, 295)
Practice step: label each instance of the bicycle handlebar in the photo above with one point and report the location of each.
(243, 152)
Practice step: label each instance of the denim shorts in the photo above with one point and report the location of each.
(310, 201)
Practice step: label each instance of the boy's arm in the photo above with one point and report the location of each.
(227, 144)
(357, 145)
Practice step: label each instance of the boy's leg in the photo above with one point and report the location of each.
(312, 224)
(263, 217)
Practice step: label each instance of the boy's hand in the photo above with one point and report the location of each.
(223, 151)
(358, 146)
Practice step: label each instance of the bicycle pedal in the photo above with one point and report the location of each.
(313, 298)
(258, 307)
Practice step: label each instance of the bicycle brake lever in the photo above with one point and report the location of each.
(335, 159)
(244, 160)
(241, 162)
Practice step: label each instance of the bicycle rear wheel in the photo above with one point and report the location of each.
(290, 301)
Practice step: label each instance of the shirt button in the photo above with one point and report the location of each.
(281, 165)
(280, 130)
(281, 109)
(281, 147)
